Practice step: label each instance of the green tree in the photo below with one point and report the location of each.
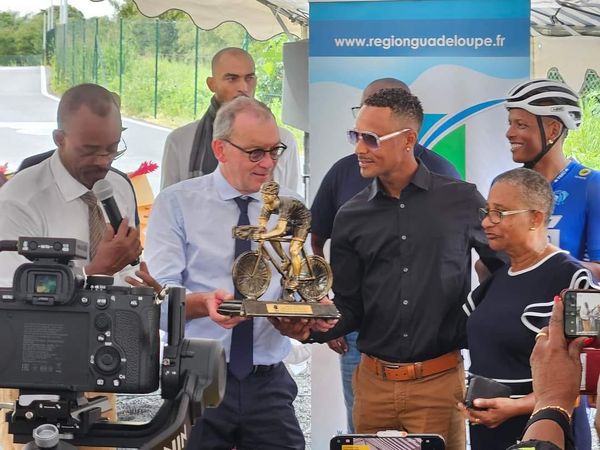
(584, 143)
(8, 24)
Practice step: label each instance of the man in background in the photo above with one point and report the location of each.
(188, 152)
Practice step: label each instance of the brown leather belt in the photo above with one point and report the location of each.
(411, 371)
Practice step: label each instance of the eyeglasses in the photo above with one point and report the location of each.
(355, 110)
(120, 151)
(496, 216)
(257, 154)
(371, 140)
(115, 151)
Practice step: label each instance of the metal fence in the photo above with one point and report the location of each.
(157, 67)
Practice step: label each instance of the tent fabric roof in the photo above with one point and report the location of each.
(564, 18)
(266, 18)
(262, 19)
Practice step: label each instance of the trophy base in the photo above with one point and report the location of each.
(255, 308)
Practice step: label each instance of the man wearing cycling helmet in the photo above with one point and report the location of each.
(540, 113)
(294, 220)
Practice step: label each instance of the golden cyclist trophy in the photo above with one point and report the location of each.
(305, 279)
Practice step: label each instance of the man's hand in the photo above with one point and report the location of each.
(300, 328)
(144, 279)
(115, 251)
(203, 304)
(296, 328)
(338, 345)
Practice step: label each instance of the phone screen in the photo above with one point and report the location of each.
(582, 313)
(387, 443)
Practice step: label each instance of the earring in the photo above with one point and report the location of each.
(550, 141)
(408, 149)
(531, 228)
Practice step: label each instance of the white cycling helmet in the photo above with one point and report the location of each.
(547, 98)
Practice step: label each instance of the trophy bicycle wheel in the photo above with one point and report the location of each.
(316, 280)
(251, 274)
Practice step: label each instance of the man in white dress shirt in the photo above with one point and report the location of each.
(45, 200)
(49, 198)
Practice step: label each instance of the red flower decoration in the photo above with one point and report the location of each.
(145, 168)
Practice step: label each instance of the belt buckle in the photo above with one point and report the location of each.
(383, 368)
(418, 366)
(402, 372)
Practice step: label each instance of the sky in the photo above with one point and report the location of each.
(87, 7)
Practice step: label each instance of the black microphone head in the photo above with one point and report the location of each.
(102, 190)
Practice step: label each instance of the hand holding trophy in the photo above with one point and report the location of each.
(305, 279)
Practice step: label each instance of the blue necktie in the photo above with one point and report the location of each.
(240, 354)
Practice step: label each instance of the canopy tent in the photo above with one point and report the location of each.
(563, 18)
(262, 19)
(266, 18)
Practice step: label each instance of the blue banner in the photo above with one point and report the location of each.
(473, 38)
(459, 57)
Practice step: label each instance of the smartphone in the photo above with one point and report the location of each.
(482, 387)
(387, 440)
(582, 312)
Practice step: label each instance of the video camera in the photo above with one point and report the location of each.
(64, 334)
(70, 336)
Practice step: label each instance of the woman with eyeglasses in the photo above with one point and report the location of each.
(507, 310)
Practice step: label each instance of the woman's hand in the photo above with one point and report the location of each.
(494, 411)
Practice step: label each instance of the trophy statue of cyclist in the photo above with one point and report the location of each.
(294, 220)
(308, 276)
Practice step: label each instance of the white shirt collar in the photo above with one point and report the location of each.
(68, 186)
(226, 191)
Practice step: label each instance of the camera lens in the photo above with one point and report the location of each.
(108, 360)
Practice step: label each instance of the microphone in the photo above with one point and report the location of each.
(104, 192)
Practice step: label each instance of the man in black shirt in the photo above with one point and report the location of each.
(401, 259)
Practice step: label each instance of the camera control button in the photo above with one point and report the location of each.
(133, 303)
(100, 382)
(108, 359)
(102, 322)
(101, 302)
(85, 301)
(101, 338)
(116, 383)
